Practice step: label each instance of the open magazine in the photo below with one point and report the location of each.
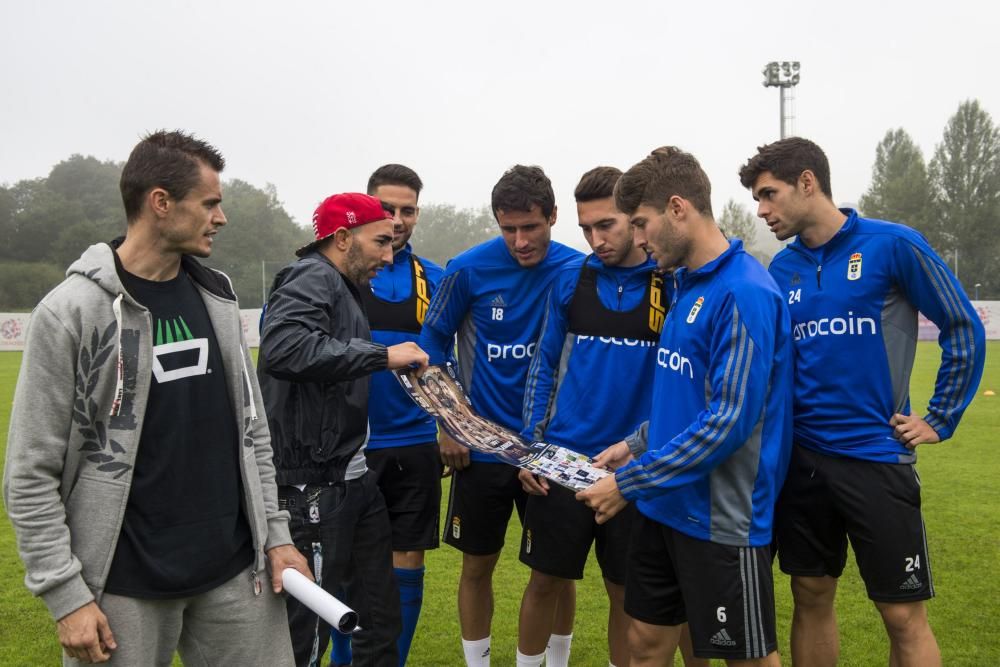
(440, 394)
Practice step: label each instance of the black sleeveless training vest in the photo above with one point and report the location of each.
(405, 315)
(589, 317)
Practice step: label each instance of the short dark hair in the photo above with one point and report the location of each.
(787, 159)
(395, 174)
(168, 160)
(522, 187)
(668, 171)
(598, 183)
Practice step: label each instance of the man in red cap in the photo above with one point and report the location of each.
(316, 356)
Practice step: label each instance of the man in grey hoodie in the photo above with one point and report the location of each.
(139, 472)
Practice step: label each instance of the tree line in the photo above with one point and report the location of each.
(954, 200)
(46, 223)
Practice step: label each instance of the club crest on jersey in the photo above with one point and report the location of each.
(695, 309)
(456, 527)
(854, 267)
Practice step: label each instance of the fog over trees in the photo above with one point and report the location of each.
(46, 223)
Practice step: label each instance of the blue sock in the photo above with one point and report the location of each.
(411, 597)
(340, 654)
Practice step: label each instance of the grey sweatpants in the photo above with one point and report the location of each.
(227, 625)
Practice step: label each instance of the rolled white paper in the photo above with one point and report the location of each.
(329, 608)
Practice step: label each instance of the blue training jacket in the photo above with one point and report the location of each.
(588, 392)
(496, 307)
(853, 304)
(719, 434)
(396, 421)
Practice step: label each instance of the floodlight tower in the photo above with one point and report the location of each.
(784, 76)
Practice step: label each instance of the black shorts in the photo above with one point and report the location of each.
(558, 532)
(828, 499)
(725, 593)
(479, 507)
(410, 480)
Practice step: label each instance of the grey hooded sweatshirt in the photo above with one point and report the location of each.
(78, 412)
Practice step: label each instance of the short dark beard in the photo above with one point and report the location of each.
(355, 267)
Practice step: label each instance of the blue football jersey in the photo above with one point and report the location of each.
(853, 304)
(396, 421)
(719, 435)
(496, 308)
(589, 389)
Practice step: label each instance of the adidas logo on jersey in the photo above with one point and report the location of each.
(911, 584)
(722, 638)
(498, 302)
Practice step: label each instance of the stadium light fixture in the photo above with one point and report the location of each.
(783, 75)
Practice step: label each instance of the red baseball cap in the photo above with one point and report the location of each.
(344, 211)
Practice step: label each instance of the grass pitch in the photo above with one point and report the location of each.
(961, 482)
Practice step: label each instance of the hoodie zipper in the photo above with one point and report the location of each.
(621, 284)
(811, 258)
(255, 582)
(116, 404)
(837, 238)
(248, 501)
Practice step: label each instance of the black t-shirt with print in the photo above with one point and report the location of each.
(185, 530)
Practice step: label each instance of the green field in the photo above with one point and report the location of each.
(961, 484)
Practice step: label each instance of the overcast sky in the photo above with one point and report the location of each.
(313, 96)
